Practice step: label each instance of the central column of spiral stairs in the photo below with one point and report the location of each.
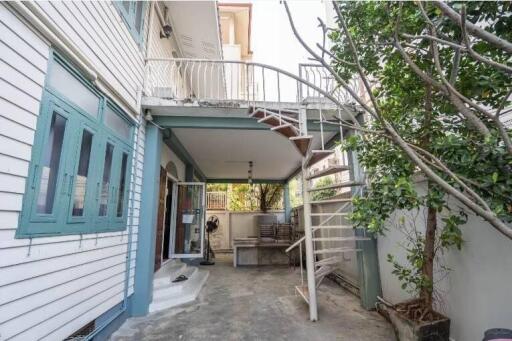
(325, 260)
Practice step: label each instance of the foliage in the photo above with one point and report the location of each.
(436, 126)
(217, 187)
(323, 193)
(257, 197)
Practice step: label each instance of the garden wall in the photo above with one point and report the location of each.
(477, 294)
(235, 225)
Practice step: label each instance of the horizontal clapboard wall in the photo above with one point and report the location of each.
(50, 287)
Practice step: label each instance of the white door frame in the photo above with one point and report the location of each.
(174, 208)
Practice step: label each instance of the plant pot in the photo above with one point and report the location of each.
(410, 330)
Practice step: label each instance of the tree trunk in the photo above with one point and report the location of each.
(429, 255)
(431, 223)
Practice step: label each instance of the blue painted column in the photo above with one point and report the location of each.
(287, 203)
(189, 172)
(143, 290)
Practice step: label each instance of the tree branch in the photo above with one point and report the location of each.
(397, 139)
(474, 29)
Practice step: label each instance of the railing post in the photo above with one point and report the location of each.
(308, 241)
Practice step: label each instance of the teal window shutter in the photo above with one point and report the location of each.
(80, 165)
(133, 13)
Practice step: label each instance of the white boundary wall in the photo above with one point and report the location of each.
(477, 294)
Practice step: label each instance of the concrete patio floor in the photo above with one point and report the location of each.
(259, 303)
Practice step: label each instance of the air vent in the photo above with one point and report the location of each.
(82, 333)
(187, 41)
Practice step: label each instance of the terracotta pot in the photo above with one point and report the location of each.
(409, 330)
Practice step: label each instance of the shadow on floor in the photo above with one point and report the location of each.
(259, 303)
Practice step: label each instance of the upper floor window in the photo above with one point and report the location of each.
(133, 13)
(81, 160)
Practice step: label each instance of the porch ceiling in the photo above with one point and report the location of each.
(225, 153)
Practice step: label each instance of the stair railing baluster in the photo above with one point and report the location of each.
(279, 99)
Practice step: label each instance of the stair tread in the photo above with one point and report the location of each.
(318, 155)
(340, 239)
(264, 113)
(329, 214)
(329, 260)
(333, 227)
(330, 201)
(336, 250)
(327, 171)
(303, 291)
(302, 143)
(286, 129)
(338, 185)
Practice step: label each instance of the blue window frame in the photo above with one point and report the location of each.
(81, 160)
(133, 13)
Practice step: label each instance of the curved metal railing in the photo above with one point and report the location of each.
(225, 81)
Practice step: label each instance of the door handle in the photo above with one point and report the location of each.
(64, 183)
(70, 187)
(36, 167)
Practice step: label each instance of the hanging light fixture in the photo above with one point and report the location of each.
(249, 177)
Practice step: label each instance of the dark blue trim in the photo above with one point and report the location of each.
(244, 123)
(109, 322)
(244, 181)
(172, 141)
(148, 215)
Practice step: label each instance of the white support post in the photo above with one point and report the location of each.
(308, 241)
(308, 232)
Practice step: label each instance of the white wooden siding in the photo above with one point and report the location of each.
(52, 286)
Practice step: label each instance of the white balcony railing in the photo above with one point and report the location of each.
(238, 82)
(216, 200)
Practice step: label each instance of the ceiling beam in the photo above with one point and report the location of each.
(244, 181)
(201, 122)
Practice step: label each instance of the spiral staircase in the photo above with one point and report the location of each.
(263, 91)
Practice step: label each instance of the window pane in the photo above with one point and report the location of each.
(65, 83)
(81, 176)
(117, 124)
(138, 16)
(122, 184)
(106, 180)
(50, 165)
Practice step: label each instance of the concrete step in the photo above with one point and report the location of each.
(189, 291)
(166, 274)
(176, 287)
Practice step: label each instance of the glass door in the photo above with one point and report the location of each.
(188, 214)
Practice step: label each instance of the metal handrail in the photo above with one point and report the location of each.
(187, 68)
(294, 245)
